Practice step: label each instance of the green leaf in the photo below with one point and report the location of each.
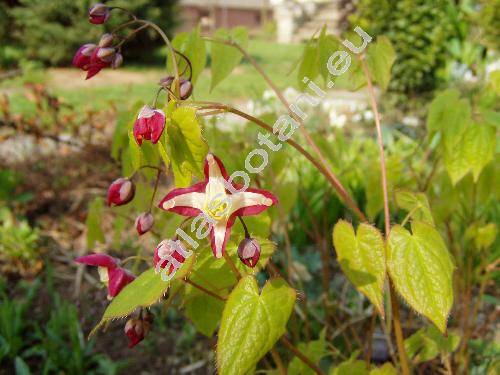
(314, 350)
(134, 152)
(186, 147)
(252, 323)
(351, 367)
(225, 58)
(483, 236)
(353, 79)
(416, 204)
(327, 45)
(386, 369)
(380, 57)
(449, 115)
(309, 64)
(427, 343)
(362, 258)
(21, 367)
(422, 270)
(93, 223)
(147, 289)
(479, 147)
(203, 310)
(193, 47)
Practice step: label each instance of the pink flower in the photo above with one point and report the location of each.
(213, 199)
(110, 273)
(249, 252)
(81, 60)
(149, 125)
(165, 251)
(102, 57)
(144, 223)
(98, 13)
(120, 192)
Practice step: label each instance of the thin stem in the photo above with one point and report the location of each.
(301, 356)
(334, 182)
(387, 220)
(332, 177)
(137, 257)
(134, 32)
(231, 265)
(204, 290)
(278, 361)
(155, 101)
(247, 234)
(170, 48)
(158, 175)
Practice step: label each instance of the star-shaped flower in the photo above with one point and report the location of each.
(217, 203)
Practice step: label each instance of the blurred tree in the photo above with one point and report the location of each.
(418, 30)
(49, 31)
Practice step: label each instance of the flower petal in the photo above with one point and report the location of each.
(100, 260)
(185, 201)
(219, 235)
(118, 278)
(251, 202)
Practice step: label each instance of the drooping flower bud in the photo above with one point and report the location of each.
(106, 40)
(136, 330)
(117, 61)
(249, 252)
(169, 252)
(81, 59)
(144, 223)
(149, 125)
(106, 54)
(98, 13)
(185, 89)
(120, 192)
(166, 81)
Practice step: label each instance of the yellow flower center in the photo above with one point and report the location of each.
(218, 207)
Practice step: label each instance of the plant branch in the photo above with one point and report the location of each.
(204, 290)
(333, 181)
(301, 356)
(332, 177)
(387, 220)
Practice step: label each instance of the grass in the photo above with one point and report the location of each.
(278, 60)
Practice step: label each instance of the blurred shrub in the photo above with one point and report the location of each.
(50, 31)
(18, 240)
(418, 30)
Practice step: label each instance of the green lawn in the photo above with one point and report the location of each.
(278, 60)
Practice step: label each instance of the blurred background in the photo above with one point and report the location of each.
(61, 139)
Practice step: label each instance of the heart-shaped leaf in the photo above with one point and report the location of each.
(225, 58)
(416, 204)
(252, 323)
(422, 269)
(362, 258)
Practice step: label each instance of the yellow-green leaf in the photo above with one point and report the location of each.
(93, 223)
(380, 57)
(186, 147)
(416, 204)
(252, 323)
(225, 58)
(362, 258)
(421, 270)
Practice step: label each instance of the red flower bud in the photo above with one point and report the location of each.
(120, 192)
(136, 330)
(185, 89)
(117, 61)
(166, 81)
(106, 40)
(81, 59)
(149, 125)
(249, 252)
(98, 13)
(100, 58)
(165, 251)
(144, 223)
